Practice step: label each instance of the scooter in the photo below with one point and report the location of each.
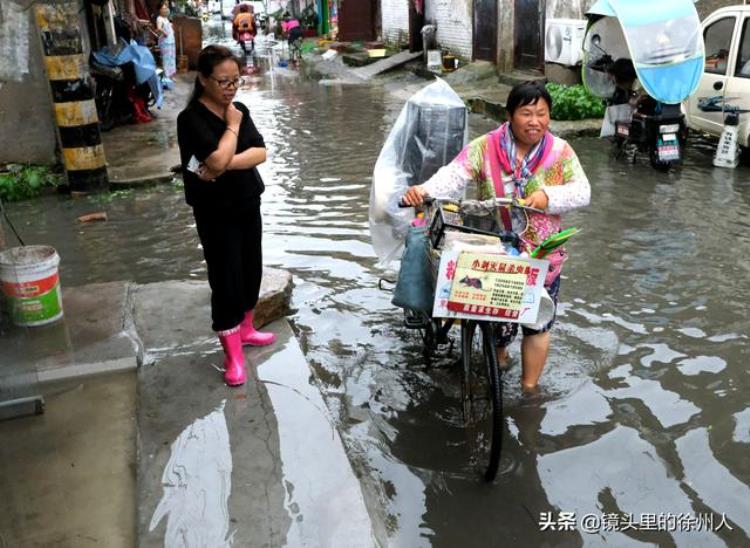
(662, 55)
(110, 96)
(639, 124)
(118, 99)
(655, 129)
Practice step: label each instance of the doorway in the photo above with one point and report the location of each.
(356, 21)
(528, 45)
(484, 26)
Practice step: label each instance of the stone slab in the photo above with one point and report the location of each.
(175, 316)
(385, 64)
(257, 465)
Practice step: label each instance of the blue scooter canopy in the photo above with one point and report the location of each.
(662, 39)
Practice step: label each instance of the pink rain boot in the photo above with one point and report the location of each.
(234, 359)
(251, 336)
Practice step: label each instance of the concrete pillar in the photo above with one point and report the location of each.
(66, 66)
(506, 35)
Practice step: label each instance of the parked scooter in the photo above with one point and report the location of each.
(638, 123)
(126, 83)
(645, 77)
(118, 99)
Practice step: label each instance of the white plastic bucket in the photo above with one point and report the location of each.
(546, 311)
(31, 284)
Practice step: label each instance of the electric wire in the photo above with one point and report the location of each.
(4, 214)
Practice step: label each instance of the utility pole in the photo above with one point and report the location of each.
(2, 235)
(66, 65)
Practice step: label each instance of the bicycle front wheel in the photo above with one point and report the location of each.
(482, 395)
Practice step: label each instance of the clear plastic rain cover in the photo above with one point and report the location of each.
(663, 39)
(429, 132)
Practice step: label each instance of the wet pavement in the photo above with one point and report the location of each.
(257, 465)
(68, 476)
(644, 413)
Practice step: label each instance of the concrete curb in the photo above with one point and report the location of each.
(145, 181)
(102, 331)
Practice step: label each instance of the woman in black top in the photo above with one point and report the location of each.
(220, 148)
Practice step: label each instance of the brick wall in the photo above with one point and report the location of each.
(395, 21)
(453, 19)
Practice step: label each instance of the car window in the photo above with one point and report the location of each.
(743, 55)
(717, 38)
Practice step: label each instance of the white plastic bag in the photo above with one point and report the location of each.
(430, 131)
(614, 114)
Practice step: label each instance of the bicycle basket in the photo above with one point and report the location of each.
(475, 223)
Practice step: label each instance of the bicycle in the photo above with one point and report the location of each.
(481, 379)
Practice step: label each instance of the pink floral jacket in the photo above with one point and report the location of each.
(560, 176)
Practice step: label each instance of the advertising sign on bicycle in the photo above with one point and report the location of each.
(489, 287)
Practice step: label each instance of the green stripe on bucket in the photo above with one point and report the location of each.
(36, 310)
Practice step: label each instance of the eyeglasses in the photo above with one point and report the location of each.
(226, 84)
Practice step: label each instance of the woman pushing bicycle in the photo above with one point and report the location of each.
(523, 160)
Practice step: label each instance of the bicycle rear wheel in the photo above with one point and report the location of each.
(482, 395)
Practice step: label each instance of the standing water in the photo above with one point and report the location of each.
(645, 410)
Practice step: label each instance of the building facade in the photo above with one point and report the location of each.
(453, 19)
(395, 21)
(509, 33)
(27, 130)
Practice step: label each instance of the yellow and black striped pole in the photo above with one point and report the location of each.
(67, 70)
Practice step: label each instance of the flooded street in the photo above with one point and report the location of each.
(645, 408)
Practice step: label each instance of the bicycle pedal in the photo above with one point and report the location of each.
(415, 322)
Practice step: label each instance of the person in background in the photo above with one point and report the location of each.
(167, 48)
(243, 28)
(137, 19)
(520, 159)
(293, 32)
(220, 149)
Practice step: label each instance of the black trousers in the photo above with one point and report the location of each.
(231, 239)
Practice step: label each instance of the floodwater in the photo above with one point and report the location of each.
(642, 429)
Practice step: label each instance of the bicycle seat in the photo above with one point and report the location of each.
(113, 73)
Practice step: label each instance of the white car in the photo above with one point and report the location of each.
(725, 84)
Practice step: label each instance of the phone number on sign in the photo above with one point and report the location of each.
(662, 521)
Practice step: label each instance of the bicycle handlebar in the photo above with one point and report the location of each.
(480, 204)
(427, 200)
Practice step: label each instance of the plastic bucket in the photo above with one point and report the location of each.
(31, 284)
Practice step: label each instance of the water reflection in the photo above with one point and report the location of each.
(197, 483)
(645, 402)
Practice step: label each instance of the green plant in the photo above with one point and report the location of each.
(103, 198)
(574, 102)
(20, 182)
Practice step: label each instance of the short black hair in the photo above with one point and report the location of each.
(527, 93)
